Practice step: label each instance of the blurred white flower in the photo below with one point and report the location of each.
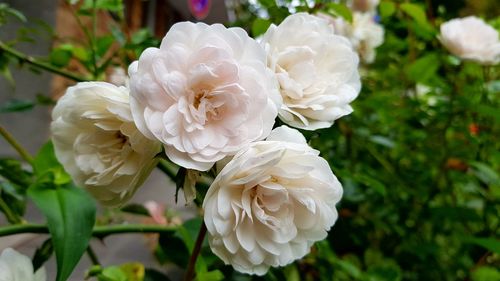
(364, 33)
(17, 267)
(205, 93)
(471, 38)
(270, 203)
(317, 71)
(118, 77)
(97, 142)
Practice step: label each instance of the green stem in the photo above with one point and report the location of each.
(9, 214)
(36, 63)
(88, 37)
(15, 144)
(92, 256)
(93, 38)
(168, 169)
(196, 252)
(98, 231)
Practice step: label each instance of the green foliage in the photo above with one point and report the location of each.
(260, 26)
(70, 211)
(418, 159)
(340, 10)
(6, 11)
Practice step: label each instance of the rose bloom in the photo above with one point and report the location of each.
(270, 203)
(471, 38)
(316, 69)
(205, 93)
(364, 33)
(97, 142)
(17, 267)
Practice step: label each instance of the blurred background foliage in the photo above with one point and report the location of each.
(419, 158)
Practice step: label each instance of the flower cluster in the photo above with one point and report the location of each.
(211, 94)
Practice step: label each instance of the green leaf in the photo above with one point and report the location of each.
(169, 243)
(423, 69)
(70, 214)
(103, 44)
(215, 275)
(340, 10)
(260, 26)
(485, 173)
(60, 57)
(386, 9)
(485, 273)
(136, 209)
(11, 170)
(291, 273)
(43, 254)
(46, 162)
(371, 182)
(112, 273)
(16, 105)
(384, 141)
(180, 178)
(488, 111)
(133, 270)
(4, 68)
(416, 12)
(154, 275)
(490, 244)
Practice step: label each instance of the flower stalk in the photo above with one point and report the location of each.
(36, 63)
(196, 252)
(16, 145)
(98, 231)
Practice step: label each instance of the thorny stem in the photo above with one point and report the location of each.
(42, 65)
(196, 252)
(15, 144)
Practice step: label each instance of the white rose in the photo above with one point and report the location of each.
(17, 267)
(97, 142)
(471, 38)
(317, 71)
(270, 203)
(205, 93)
(364, 33)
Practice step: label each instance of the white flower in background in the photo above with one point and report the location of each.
(471, 38)
(270, 203)
(364, 33)
(364, 6)
(205, 93)
(97, 142)
(17, 267)
(316, 69)
(118, 77)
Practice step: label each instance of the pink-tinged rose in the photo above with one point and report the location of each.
(205, 93)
